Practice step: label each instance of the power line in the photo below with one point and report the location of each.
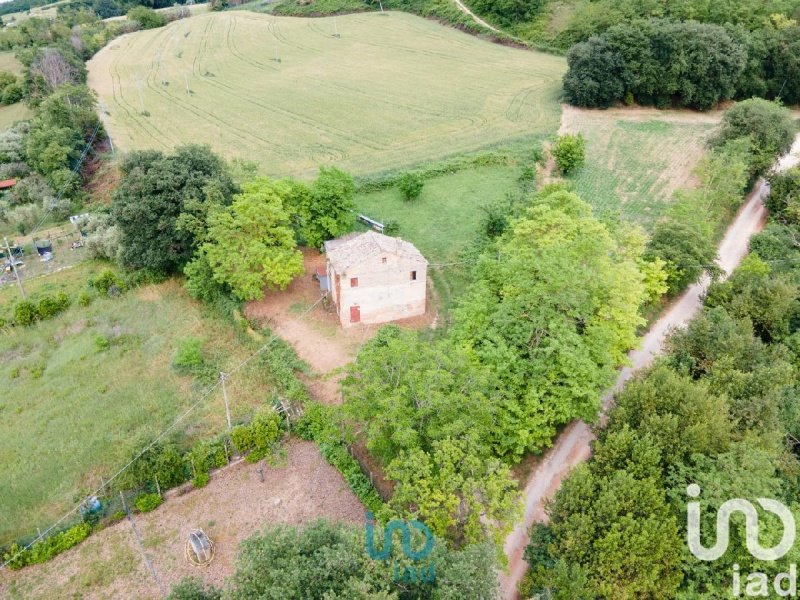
(69, 179)
(158, 438)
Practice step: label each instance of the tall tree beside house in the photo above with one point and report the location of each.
(162, 202)
(326, 210)
(250, 245)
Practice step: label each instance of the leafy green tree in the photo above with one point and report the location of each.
(191, 588)
(686, 248)
(325, 560)
(457, 493)
(251, 244)
(768, 125)
(327, 209)
(409, 393)
(552, 313)
(410, 185)
(783, 200)
(597, 74)
(569, 152)
(621, 531)
(158, 200)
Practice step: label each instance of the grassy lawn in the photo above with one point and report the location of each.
(444, 220)
(636, 160)
(361, 101)
(82, 391)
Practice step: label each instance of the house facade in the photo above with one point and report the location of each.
(375, 278)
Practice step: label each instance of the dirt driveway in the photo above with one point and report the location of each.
(236, 504)
(298, 317)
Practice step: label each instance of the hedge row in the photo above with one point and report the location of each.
(47, 548)
(317, 424)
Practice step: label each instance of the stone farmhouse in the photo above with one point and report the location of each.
(374, 278)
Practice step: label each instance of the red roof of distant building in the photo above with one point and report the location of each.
(7, 183)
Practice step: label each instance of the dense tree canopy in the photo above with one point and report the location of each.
(250, 245)
(325, 561)
(156, 194)
(767, 125)
(551, 314)
(720, 411)
(655, 62)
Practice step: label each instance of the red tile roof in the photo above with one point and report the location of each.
(7, 183)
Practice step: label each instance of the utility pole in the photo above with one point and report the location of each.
(139, 542)
(16, 274)
(225, 397)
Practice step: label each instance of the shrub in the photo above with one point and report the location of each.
(47, 548)
(191, 588)
(189, 360)
(391, 227)
(26, 313)
(257, 438)
(147, 18)
(101, 342)
(108, 282)
(12, 93)
(147, 502)
(410, 185)
(201, 480)
(50, 306)
(206, 455)
(569, 152)
(84, 299)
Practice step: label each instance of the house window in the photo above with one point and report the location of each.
(383, 260)
(354, 282)
(413, 275)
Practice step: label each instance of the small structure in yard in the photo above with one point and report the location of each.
(374, 278)
(7, 184)
(199, 548)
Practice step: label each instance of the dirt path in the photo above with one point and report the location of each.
(315, 333)
(463, 8)
(573, 446)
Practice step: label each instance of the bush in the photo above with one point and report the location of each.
(257, 438)
(206, 455)
(410, 185)
(47, 548)
(164, 463)
(767, 124)
(189, 360)
(147, 502)
(12, 93)
(50, 306)
(201, 480)
(391, 227)
(108, 283)
(191, 588)
(26, 313)
(147, 18)
(84, 299)
(569, 152)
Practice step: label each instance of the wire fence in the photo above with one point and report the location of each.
(100, 505)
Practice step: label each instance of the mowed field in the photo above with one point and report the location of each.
(390, 91)
(637, 158)
(83, 391)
